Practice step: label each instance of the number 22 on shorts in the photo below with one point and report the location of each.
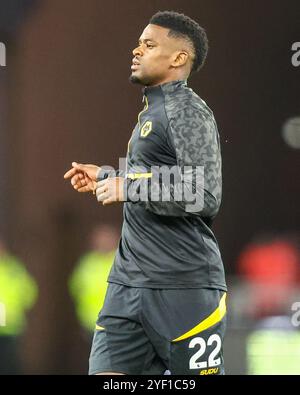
(213, 341)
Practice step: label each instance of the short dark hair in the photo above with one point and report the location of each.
(183, 26)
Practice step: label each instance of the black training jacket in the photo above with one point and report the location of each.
(167, 240)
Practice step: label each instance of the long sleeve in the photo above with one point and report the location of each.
(108, 172)
(196, 185)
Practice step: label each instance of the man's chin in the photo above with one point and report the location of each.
(135, 79)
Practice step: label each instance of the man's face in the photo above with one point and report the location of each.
(153, 56)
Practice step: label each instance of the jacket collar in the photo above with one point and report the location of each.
(171, 86)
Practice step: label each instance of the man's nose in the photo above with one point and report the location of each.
(137, 51)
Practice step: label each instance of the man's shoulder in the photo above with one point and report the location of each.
(183, 100)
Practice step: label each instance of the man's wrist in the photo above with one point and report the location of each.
(103, 173)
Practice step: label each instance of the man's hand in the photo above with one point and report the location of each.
(83, 177)
(110, 190)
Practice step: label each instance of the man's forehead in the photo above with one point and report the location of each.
(154, 32)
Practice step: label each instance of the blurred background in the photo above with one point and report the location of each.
(65, 96)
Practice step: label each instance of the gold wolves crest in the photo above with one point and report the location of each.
(146, 129)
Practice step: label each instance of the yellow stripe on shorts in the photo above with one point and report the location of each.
(211, 320)
(99, 328)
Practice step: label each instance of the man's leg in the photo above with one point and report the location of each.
(120, 344)
(187, 328)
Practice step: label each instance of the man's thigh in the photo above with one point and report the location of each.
(187, 328)
(120, 343)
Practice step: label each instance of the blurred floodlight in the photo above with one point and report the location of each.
(291, 132)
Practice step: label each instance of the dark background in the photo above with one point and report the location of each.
(65, 96)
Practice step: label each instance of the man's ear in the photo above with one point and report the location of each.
(180, 58)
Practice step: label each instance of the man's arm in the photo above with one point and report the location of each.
(89, 178)
(194, 136)
(107, 172)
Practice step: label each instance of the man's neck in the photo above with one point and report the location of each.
(169, 79)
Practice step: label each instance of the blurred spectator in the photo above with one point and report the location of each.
(271, 269)
(18, 293)
(88, 282)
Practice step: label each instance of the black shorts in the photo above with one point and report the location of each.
(148, 331)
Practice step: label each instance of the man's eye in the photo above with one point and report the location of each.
(149, 46)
